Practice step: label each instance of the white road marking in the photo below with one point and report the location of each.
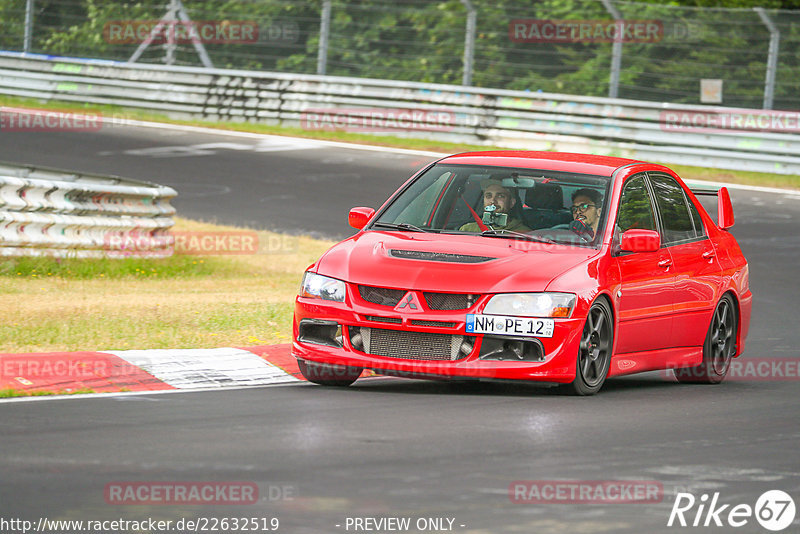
(793, 194)
(209, 149)
(268, 137)
(122, 394)
(790, 193)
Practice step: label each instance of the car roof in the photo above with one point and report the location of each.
(554, 161)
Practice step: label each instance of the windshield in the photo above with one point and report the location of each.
(493, 202)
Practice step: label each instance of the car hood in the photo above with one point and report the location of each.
(449, 263)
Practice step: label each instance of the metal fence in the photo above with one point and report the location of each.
(728, 138)
(47, 212)
(746, 58)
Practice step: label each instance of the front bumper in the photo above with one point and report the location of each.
(556, 366)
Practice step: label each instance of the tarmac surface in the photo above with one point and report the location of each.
(323, 458)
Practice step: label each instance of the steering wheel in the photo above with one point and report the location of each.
(580, 228)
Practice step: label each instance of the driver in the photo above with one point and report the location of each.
(586, 207)
(498, 201)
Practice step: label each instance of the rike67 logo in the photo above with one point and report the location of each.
(774, 510)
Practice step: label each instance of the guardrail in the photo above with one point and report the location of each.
(710, 136)
(45, 212)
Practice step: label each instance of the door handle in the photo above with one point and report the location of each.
(665, 263)
(709, 254)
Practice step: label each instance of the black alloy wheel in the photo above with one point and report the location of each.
(718, 349)
(594, 352)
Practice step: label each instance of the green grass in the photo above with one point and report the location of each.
(11, 393)
(166, 326)
(687, 172)
(139, 303)
(115, 269)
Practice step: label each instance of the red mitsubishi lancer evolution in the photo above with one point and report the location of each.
(562, 269)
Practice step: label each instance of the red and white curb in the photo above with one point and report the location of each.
(148, 370)
(204, 368)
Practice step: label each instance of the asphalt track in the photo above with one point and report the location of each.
(284, 184)
(389, 447)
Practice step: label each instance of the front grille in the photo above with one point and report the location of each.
(381, 295)
(438, 256)
(411, 345)
(449, 301)
(440, 324)
(385, 296)
(377, 319)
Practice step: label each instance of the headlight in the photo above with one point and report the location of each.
(322, 287)
(531, 304)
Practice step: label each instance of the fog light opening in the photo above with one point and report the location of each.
(320, 332)
(511, 349)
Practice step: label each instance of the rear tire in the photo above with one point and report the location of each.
(326, 374)
(594, 352)
(718, 349)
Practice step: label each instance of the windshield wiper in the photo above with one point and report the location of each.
(400, 226)
(511, 233)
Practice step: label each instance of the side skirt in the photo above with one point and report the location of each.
(639, 362)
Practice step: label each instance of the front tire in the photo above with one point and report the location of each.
(326, 374)
(594, 352)
(718, 349)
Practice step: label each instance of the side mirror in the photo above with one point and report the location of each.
(358, 217)
(640, 241)
(724, 209)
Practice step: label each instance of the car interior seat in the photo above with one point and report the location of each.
(545, 207)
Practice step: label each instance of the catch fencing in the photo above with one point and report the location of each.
(737, 57)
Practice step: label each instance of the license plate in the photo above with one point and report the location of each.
(509, 326)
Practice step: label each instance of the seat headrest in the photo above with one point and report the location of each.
(545, 196)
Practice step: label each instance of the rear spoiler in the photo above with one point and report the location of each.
(704, 191)
(725, 218)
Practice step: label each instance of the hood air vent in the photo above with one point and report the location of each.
(438, 256)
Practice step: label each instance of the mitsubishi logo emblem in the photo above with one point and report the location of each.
(408, 301)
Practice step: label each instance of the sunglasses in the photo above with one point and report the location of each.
(582, 207)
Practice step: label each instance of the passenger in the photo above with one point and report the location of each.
(498, 203)
(586, 207)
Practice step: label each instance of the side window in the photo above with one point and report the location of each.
(671, 201)
(635, 208)
(696, 219)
